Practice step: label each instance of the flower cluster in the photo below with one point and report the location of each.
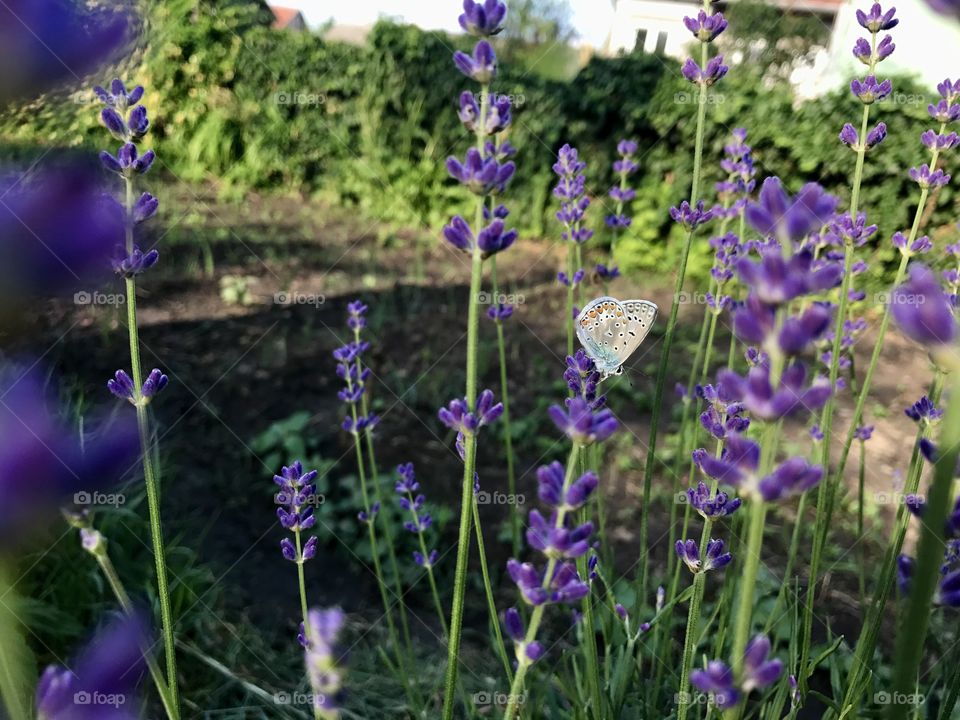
(571, 191)
(722, 415)
(127, 121)
(711, 506)
(123, 387)
(705, 28)
(621, 193)
(583, 379)
(351, 370)
(738, 164)
(492, 239)
(946, 111)
(714, 557)
(739, 466)
(319, 639)
(412, 501)
(717, 680)
(922, 310)
(296, 501)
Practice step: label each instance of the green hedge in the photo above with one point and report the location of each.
(253, 108)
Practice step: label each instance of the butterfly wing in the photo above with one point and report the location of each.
(644, 313)
(593, 325)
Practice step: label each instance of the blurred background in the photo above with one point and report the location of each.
(300, 164)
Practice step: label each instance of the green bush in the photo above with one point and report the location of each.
(247, 107)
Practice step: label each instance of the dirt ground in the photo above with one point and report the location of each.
(235, 369)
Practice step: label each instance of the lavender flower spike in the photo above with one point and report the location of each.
(296, 500)
(481, 66)
(705, 27)
(458, 415)
(922, 311)
(122, 386)
(713, 559)
(483, 18)
(326, 676)
(526, 652)
(581, 423)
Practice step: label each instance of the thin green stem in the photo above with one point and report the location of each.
(505, 419)
(488, 593)
(120, 593)
(149, 471)
(668, 342)
(923, 583)
(516, 688)
(470, 448)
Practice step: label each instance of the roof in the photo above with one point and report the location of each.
(283, 17)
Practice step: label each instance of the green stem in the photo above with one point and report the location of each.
(466, 503)
(149, 471)
(120, 593)
(507, 430)
(524, 663)
(488, 592)
(913, 632)
(668, 342)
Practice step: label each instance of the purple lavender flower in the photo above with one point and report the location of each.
(877, 20)
(481, 66)
(863, 51)
(607, 274)
(550, 488)
(412, 502)
(126, 162)
(557, 542)
(322, 661)
(712, 507)
(583, 379)
(690, 217)
(492, 239)
(570, 190)
(869, 91)
(758, 670)
(863, 433)
(526, 652)
(921, 309)
(944, 111)
(927, 178)
(44, 462)
(111, 665)
(794, 477)
(790, 396)
(621, 193)
(123, 387)
(483, 18)
(917, 247)
(776, 280)
(118, 95)
(135, 263)
(296, 501)
(45, 42)
(850, 137)
(481, 175)
(565, 585)
(924, 411)
(500, 312)
(581, 423)
(705, 28)
(498, 116)
(717, 682)
(790, 218)
(458, 415)
(713, 559)
(936, 141)
(707, 76)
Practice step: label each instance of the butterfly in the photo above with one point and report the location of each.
(611, 330)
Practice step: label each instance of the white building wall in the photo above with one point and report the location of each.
(654, 16)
